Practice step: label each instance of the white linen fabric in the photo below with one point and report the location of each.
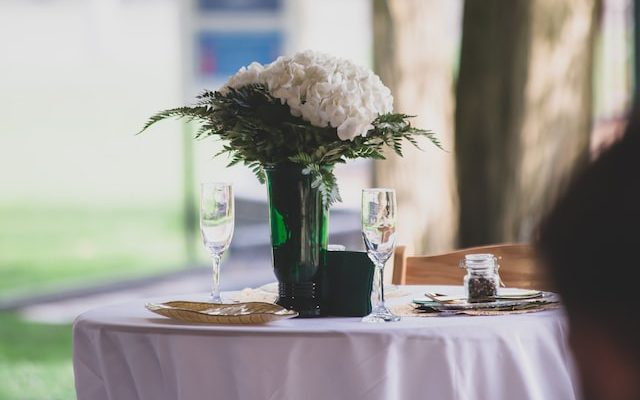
(125, 352)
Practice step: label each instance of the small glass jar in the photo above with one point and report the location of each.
(482, 280)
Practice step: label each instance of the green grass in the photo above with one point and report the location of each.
(43, 248)
(50, 248)
(35, 360)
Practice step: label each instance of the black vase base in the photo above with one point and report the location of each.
(303, 298)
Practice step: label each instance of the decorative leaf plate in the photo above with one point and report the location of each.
(210, 313)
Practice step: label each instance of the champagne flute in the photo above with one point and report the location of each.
(216, 226)
(379, 233)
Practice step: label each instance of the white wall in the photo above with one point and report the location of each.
(79, 77)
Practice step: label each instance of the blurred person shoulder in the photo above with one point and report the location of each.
(590, 243)
(599, 212)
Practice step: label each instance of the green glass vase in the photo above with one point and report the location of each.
(299, 236)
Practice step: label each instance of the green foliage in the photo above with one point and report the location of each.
(259, 130)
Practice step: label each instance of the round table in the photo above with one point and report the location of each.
(125, 352)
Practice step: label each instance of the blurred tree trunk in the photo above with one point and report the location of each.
(414, 55)
(523, 112)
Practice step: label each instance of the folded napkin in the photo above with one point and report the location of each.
(503, 294)
(508, 301)
(412, 310)
(346, 289)
(517, 294)
(248, 295)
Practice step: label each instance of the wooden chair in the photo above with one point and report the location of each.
(518, 267)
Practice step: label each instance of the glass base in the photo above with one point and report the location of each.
(216, 299)
(381, 314)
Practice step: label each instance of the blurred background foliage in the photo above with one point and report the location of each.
(84, 203)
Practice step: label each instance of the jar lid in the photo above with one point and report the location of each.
(479, 261)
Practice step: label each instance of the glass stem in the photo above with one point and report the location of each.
(378, 286)
(215, 278)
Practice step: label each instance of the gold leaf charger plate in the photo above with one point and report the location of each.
(211, 313)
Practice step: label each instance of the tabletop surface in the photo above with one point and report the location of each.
(133, 316)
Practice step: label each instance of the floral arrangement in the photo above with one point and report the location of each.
(310, 109)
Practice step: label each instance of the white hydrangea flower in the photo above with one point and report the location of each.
(246, 75)
(323, 90)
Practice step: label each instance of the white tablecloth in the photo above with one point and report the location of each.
(126, 352)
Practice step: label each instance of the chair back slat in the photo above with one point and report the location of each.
(518, 267)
